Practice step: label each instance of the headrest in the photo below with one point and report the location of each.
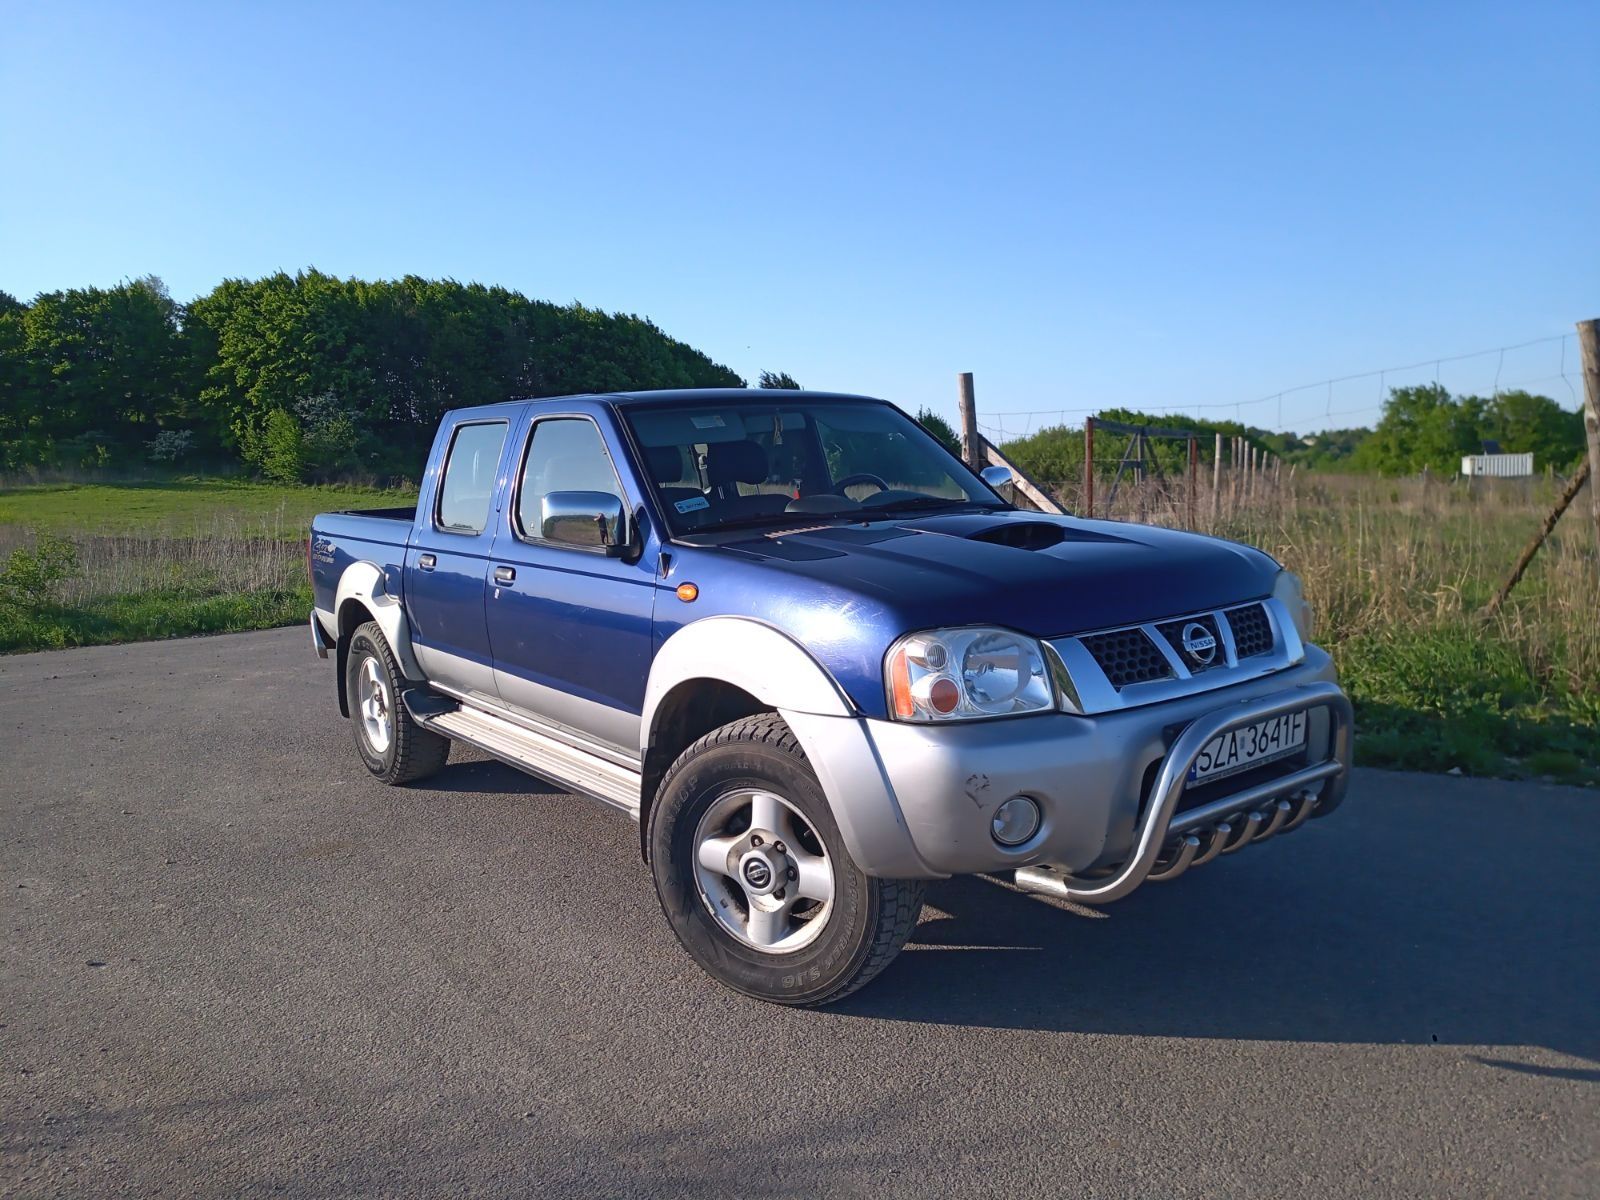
(735, 462)
(665, 463)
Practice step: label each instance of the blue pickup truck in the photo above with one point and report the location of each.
(820, 661)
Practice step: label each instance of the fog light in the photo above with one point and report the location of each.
(1015, 821)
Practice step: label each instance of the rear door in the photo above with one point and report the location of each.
(571, 626)
(447, 562)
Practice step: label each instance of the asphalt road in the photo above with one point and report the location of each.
(234, 965)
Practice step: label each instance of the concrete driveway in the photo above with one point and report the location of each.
(234, 965)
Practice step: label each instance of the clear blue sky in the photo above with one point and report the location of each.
(1084, 205)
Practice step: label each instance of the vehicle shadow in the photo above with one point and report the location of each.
(488, 776)
(1410, 918)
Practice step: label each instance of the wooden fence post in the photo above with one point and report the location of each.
(1589, 350)
(1216, 483)
(971, 447)
(1088, 466)
(1194, 471)
(1574, 485)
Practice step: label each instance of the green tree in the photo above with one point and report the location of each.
(779, 379)
(1522, 421)
(93, 372)
(24, 440)
(941, 429)
(1422, 426)
(102, 359)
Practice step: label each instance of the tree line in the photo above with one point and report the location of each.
(311, 377)
(300, 377)
(1420, 427)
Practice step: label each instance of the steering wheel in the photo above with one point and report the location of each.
(859, 477)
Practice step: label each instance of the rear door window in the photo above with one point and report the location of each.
(467, 488)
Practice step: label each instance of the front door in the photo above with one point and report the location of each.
(570, 626)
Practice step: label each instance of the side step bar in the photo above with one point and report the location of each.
(537, 754)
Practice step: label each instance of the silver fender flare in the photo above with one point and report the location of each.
(363, 581)
(780, 673)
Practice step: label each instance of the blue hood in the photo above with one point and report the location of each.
(847, 591)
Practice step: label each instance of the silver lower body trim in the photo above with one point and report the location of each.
(320, 641)
(546, 757)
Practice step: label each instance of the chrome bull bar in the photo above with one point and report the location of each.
(1167, 846)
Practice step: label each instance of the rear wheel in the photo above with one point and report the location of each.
(392, 746)
(754, 877)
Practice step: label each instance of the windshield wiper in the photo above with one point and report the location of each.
(774, 519)
(915, 502)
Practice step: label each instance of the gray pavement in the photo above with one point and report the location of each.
(234, 965)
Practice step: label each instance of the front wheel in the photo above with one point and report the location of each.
(754, 878)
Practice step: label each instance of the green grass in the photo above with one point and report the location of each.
(180, 506)
(167, 558)
(1452, 700)
(149, 616)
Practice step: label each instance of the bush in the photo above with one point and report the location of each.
(170, 445)
(276, 447)
(330, 438)
(89, 450)
(32, 577)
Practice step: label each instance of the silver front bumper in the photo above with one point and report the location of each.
(1167, 845)
(1110, 786)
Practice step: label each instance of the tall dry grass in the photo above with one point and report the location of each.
(225, 555)
(1382, 558)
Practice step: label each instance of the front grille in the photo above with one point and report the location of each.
(1252, 632)
(1173, 632)
(1127, 656)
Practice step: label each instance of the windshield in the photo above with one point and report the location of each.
(740, 464)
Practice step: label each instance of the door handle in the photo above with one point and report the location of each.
(426, 561)
(504, 575)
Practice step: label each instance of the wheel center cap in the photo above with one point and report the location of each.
(758, 872)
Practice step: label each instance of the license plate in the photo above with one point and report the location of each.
(1230, 753)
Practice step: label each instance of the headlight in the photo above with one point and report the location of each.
(952, 674)
(1288, 592)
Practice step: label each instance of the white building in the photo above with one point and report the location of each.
(1501, 466)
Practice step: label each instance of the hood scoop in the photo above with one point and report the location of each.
(1023, 535)
(1016, 530)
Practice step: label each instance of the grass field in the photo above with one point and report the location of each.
(179, 507)
(159, 559)
(1396, 572)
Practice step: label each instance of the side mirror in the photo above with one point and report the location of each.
(1002, 481)
(591, 520)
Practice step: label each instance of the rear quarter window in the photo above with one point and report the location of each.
(466, 489)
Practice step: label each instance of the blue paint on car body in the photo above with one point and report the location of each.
(844, 591)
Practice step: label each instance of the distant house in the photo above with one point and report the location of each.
(1498, 464)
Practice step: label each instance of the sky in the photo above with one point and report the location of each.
(1149, 205)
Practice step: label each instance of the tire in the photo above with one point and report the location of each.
(392, 746)
(740, 839)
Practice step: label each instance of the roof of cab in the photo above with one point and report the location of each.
(725, 396)
(665, 396)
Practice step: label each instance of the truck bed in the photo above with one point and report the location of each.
(338, 539)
